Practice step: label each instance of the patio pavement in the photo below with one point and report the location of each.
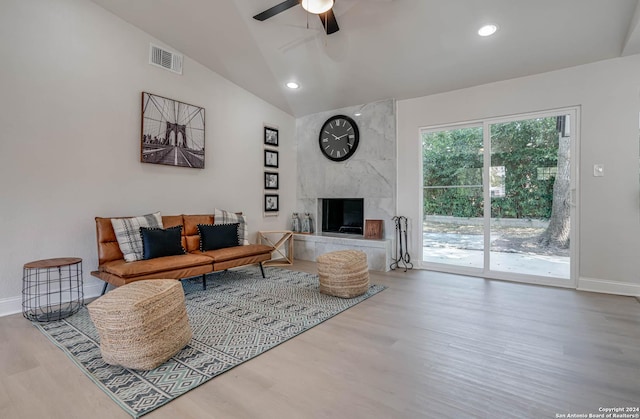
(466, 250)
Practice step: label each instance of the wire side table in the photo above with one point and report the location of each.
(52, 289)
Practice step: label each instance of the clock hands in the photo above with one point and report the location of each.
(338, 138)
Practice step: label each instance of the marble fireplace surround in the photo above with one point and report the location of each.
(310, 246)
(370, 174)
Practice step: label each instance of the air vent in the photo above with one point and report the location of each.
(169, 60)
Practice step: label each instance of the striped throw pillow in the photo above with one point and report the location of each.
(127, 232)
(227, 217)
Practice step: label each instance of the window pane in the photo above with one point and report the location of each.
(453, 198)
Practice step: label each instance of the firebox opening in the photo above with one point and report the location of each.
(343, 215)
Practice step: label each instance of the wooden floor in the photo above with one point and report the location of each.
(432, 345)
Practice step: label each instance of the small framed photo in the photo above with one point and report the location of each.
(271, 203)
(271, 180)
(271, 136)
(270, 158)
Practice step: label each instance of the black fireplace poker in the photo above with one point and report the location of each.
(402, 251)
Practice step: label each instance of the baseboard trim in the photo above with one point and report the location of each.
(13, 305)
(608, 287)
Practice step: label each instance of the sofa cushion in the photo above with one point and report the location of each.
(218, 236)
(236, 252)
(172, 221)
(158, 242)
(190, 232)
(191, 223)
(152, 266)
(227, 217)
(127, 231)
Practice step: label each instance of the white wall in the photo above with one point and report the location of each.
(609, 208)
(70, 83)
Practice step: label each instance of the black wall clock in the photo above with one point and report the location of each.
(339, 138)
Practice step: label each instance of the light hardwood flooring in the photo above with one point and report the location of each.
(432, 345)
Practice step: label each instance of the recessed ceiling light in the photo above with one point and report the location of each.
(293, 85)
(357, 114)
(487, 30)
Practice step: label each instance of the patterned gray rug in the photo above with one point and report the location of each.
(239, 316)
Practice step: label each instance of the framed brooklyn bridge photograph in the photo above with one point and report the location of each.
(172, 132)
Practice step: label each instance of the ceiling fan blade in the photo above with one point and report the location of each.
(329, 22)
(278, 8)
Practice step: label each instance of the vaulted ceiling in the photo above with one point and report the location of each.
(384, 48)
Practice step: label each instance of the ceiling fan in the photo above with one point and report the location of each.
(322, 8)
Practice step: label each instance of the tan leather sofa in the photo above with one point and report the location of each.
(113, 269)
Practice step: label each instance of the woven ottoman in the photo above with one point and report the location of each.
(343, 273)
(141, 324)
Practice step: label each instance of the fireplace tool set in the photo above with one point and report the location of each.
(402, 251)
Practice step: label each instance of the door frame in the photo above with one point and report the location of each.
(486, 272)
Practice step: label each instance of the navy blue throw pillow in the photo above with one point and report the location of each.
(158, 242)
(218, 236)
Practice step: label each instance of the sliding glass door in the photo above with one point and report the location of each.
(498, 197)
(453, 204)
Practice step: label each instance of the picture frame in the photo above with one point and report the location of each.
(271, 203)
(271, 180)
(271, 136)
(270, 158)
(172, 132)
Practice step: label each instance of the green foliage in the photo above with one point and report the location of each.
(453, 161)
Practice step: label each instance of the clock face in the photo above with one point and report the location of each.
(339, 138)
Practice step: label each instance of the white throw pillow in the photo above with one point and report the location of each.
(127, 232)
(228, 217)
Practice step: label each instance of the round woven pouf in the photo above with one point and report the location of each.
(343, 273)
(141, 324)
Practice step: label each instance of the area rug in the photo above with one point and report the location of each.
(239, 316)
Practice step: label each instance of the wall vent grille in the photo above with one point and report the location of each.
(166, 59)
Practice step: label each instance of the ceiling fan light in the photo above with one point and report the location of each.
(317, 6)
